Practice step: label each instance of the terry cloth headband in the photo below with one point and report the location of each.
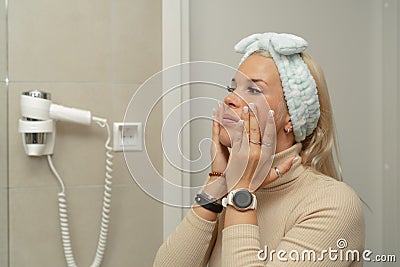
(299, 87)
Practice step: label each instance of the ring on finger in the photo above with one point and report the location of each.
(266, 144)
(256, 143)
(278, 172)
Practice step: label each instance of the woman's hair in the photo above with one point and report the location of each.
(320, 149)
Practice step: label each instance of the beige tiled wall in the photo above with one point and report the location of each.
(3, 43)
(3, 227)
(92, 55)
(3, 140)
(3, 177)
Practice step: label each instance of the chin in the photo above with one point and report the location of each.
(224, 138)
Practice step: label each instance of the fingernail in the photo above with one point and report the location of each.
(295, 159)
(271, 113)
(240, 122)
(251, 105)
(245, 109)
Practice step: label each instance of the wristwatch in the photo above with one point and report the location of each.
(209, 202)
(240, 199)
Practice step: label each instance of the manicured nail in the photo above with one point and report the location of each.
(295, 159)
(240, 122)
(251, 105)
(245, 109)
(271, 113)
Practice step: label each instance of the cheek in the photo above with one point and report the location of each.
(281, 115)
(224, 138)
(273, 101)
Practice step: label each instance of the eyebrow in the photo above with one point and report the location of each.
(259, 80)
(253, 80)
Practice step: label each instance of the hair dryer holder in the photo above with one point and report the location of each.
(46, 127)
(37, 128)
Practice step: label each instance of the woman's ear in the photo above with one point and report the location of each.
(288, 125)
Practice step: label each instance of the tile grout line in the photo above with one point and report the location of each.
(69, 187)
(79, 82)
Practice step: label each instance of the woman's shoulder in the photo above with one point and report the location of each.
(323, 190)
(328, 206)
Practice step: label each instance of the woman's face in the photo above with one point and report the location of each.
(257, 81)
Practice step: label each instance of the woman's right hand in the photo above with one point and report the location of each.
(216, 185)
(219, 153)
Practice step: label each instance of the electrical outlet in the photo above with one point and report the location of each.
(128, 136)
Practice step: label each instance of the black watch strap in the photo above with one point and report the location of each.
(205, 203)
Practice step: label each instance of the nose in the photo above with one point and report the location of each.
(233, 100)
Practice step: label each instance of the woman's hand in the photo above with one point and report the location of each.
(216, 185)
(219, 153)
(252, 153)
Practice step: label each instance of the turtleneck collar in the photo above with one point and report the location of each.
(296, 169)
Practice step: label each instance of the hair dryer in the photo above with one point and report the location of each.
(38, 133)
(37, 124)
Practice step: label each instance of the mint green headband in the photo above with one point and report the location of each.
(299, 87)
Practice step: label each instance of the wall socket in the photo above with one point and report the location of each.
(128, 136)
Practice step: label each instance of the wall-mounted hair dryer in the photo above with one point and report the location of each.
(38, 133)
(38, 125)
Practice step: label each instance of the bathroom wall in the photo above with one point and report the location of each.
(92, 55)
(3, 139)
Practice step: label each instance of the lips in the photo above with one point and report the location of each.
(228, 118)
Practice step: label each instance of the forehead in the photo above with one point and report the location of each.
(258, 67)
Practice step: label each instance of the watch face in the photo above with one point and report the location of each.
(242, 199)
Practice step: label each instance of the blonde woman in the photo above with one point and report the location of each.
(289, 208)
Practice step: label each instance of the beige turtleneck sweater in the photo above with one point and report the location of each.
(301, 213)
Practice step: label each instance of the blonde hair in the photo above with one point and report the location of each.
(319, 149)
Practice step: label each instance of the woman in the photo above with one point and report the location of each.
(297, 212)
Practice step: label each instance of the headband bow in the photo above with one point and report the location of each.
(299, 87)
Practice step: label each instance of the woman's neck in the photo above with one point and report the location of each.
(284, 141)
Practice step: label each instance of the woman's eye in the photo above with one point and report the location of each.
(254, 90)
(230, 89)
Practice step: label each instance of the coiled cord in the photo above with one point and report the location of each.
(105, 219)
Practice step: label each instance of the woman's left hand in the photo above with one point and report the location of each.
(252, 153)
